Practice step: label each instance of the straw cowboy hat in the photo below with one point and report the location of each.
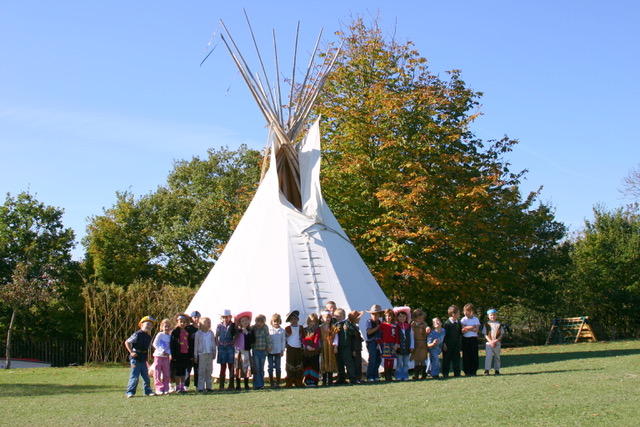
(375, 308)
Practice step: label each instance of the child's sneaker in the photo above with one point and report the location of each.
(129, 395)
(497, 373)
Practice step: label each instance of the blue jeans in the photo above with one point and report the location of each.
(259, 357)
(274, 363)
(139, 369)
(402, 367)
(373, 370)
(435, 362)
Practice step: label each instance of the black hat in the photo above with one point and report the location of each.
(195, 314)
(294, 313)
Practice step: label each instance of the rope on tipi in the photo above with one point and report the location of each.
(285, 125)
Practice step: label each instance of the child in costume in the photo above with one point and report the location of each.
(261, 345)
(193, 327)
(373, 335)
(328, 360)
(225, 331)
(420, 330)
(311, 351)
(278, 344)
(389, 342)
(295, 357)
(343, 348)
(356, 344)
(138, 347)
(452, 342)
(406, 344)
(470, 328)
(162, 356)
(181, 351)
(492, 331)
(242, 344)
(435, 341)
(205, 351)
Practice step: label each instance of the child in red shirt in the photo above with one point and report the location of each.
(389, 342)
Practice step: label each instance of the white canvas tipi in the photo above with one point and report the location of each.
(288, 252)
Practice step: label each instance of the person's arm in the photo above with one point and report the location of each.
(476, 327)
(283, 343)
(128, 343)
(269, 342)
(374, 329)
(197, 343)
(498, 337)
(397, 337)
(432, 343)
(316, 339)
(412, 343)
(129, 348)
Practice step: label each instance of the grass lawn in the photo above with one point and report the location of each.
(572, 384)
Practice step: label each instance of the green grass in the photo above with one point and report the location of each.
(574, 384)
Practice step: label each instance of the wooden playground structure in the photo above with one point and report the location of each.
(571, 329)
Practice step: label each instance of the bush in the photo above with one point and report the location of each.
(113, 312)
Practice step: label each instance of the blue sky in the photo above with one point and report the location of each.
(102, 96)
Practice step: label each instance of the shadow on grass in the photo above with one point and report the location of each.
(26, 390)
(551, 371)
(510, 359)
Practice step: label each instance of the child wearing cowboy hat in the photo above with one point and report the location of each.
(242, 343)
(373, 335)
(406, 342)
(294, 334)
(225, 331)
(138, 347)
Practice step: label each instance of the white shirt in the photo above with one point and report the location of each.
(204, 343)
(162, 344)
(294, 340)
(470, 321)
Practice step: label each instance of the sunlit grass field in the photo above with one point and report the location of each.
(572, 384)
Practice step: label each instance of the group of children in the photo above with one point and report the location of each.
(329, 344)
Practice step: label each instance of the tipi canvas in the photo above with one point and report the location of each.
(281, 259)
(288, 252)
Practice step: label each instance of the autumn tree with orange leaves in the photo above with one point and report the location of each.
(434, 211)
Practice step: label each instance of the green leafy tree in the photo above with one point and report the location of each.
(605, 283)
(35, 257)
(120, 248)
(192, 217)
(433, 210)
(173, 234)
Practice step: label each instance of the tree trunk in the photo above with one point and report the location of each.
(8, 352)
